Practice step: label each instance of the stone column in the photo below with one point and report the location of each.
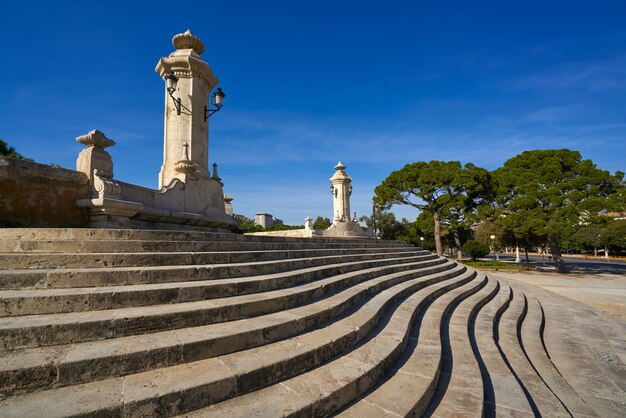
(186, 133)
(341, 190)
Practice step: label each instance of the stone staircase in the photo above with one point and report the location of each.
(165, 323)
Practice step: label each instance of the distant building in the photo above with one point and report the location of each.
(266, 220)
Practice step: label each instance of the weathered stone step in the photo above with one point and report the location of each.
(587, 349)
(116, 276)
(408, 388)
(181, 388)
(532, 337)
(62, 300)
(542, 400)
(12, 247)
(534, 348)
(95, 234)
(83, 362)
(460, 387)
(51, 329)
(502, 394)
(325, 389)
(97, 260)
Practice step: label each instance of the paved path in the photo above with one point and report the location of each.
(604, 292)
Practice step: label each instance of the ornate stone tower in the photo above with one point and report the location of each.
(341, 189)
(186, 148)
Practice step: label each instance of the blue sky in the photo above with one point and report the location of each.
(376, 85)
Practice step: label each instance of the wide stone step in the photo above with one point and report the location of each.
(542, 400)
(96, 260)
(411, 384)
(117, 276)
(323, 390)
(83, 362)
(532, 334)
(95, 234)
(181, 388)
(51, 329)
(588, 349)
(61, 300)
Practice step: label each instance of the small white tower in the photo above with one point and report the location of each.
(343, 225)
(341, 189)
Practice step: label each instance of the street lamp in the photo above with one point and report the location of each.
(422, 242)
(217, 101)
(493, 237)
(170, 84)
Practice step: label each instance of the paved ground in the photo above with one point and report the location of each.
(605, 292)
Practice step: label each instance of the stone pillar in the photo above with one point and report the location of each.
(341, 190)
(94, 157)
(186, 133)
(228, 206)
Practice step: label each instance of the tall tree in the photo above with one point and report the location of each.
(442, 188)
(546, 193)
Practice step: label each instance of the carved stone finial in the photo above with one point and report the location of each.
(216, 176)
(188, 40)
(95, 138)
(340, 166)
(184, 165)
(228, 198)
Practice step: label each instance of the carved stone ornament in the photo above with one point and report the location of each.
(95, 138)
(184, 165)
(188, 40)
(104, 186)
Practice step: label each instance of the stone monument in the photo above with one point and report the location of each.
(341, 189)
(188, 193)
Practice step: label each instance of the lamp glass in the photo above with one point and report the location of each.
(170, 82)
(218, 98)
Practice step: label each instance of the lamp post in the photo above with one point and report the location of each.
(422, 242)
(493, 237)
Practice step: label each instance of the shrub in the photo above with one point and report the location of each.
(475, 249)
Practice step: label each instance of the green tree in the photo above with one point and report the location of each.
(446, 190)
(248, 224)
(544, 194)
(321, 223)
(10, 152)
(475, 249)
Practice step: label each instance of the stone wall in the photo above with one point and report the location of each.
(39, 195)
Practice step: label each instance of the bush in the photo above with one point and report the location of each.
(475, 249)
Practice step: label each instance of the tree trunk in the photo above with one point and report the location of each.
(556, 254)
(526, 254)
(457, 242)
(437, 233)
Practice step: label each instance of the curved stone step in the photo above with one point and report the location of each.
(60, 300)
(583, 348)
(51, 329)
(228, 243)
(70, 364)
(323, 390)
(105, 234)
(185, 387)
(542, 400)
(174, 258)
(408, 387)
(532, 337)
(460, 387)
(116, 276)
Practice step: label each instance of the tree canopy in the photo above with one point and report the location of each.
(544, 194)
(10, 152)
(447, 190)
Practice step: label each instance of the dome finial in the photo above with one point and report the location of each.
(340, 166)
(188, 40)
